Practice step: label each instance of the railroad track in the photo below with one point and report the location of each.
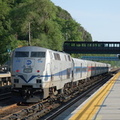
(61, 110)
(39, 110)
(6, 112)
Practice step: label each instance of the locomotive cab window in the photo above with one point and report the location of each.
(21, 54)
(38, 54)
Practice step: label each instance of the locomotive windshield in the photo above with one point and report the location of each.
(26, 54)
(37, 54)
(21, 54)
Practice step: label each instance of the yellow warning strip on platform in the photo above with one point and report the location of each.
(88, 110)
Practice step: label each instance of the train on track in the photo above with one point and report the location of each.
(39, 73)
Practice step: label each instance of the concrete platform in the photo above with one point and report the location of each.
(104, 104)
(2, 75)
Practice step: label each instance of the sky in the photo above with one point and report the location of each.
(101, 18)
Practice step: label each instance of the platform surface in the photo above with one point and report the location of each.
(5, 75)
(104, 104)
(110, 108)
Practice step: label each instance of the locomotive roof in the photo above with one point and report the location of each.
(30, 48)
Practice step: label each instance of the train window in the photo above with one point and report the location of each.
(110, 45)
(37, 54)
(73, 44)
(21, 54)
(66, 44)
(106, 45)
(69, 58)
(57, 56)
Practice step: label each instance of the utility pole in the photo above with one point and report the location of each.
(29, 41)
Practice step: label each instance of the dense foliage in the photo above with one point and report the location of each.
(49, 25)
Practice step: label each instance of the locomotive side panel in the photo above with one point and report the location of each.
(61, 70)
(80, 69)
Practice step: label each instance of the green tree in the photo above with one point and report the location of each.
(50, 25)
